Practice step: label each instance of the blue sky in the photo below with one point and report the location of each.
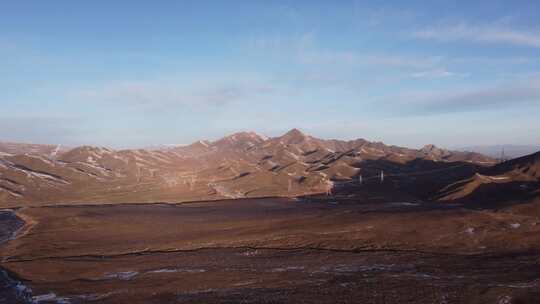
(141, 73)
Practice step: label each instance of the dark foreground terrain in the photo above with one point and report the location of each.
(272, 251)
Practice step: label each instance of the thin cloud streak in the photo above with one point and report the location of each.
(305, 50)
(437, 73)
(479, 33)
(149, 94)
(356, 58)
(525, 93)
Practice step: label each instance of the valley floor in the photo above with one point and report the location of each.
(311, 250)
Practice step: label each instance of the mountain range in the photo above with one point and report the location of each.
(503, 151)
(247, 164)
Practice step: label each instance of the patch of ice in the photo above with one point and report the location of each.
(44, 297)
(505, 300)
(292, 155)
(120, 158)
(244, 283)
(531, 284)
(22, 291)
(54, 153)
(224, 191)
(251, 253)
(357, 268)
(289, 268)
(372, 151)
(32, 174)
(123, 275)
(159, 157)
(404, 204)
(515, 225)
(202, 291)
(15, 194)
(21, 288)
(203, 142)
(173, 270)
(43, 159)
(50, 177)
(94, 296)
(97, 167)
(263, 137)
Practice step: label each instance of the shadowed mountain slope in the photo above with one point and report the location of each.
(513, 180)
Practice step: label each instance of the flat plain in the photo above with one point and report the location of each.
(313, 249)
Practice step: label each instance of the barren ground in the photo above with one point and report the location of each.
(317, 250)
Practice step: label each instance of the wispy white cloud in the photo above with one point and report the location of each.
(173, 93)
(437, 73)
(505, 95)
(494, 61)
(281, 43)
(315, 56)
(488, 33)
(305, 49)
(382, 16)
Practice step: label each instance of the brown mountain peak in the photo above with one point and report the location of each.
(294, 132)
(294, 136)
